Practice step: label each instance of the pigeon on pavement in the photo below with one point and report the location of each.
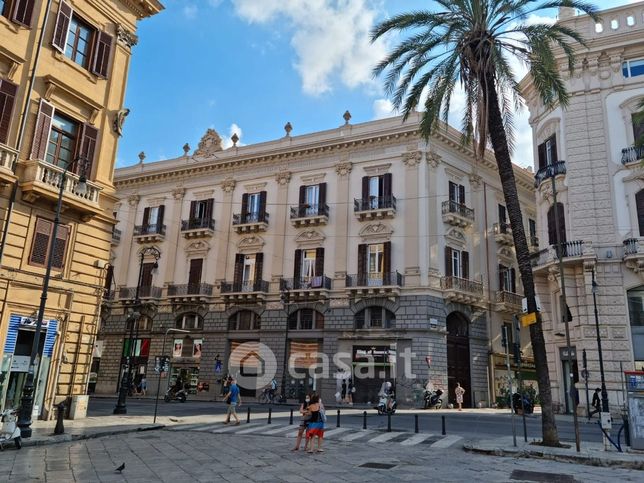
(120, 468)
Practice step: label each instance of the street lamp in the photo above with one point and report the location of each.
(133, 318)
(599, 349)
(27, 400)
(156, 399)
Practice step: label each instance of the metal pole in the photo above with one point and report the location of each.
(517, 348)
(270, 415)
(156, 399)
(290, 419)
(248, 415)
(443, 428)
(389, 422)
(415, 423)
(507, 364)
(605, 408)
(285, 364)
(364, 419)
(337, 421)
(564, 311)
(585, 363)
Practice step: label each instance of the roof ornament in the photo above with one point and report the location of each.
(347, 117)
(186, 149)
(234, 138)
(288, 127)
(141, 157)
(209, 144)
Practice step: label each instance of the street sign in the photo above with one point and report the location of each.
(524, 304)
(161, 364)
(528, 319)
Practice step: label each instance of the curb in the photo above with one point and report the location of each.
(571, 458)
(66, 438)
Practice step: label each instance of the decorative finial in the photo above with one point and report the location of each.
(347, 117)
(141, 157)
(234, 138)
(288, 128)
(186, 149)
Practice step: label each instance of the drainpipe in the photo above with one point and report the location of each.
(21, 131)
(490, 362)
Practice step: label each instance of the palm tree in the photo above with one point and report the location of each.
(639, 118)
(470, 43)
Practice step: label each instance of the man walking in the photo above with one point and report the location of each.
(233, 399)
(596, 404)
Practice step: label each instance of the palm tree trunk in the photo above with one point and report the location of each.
(499, 141)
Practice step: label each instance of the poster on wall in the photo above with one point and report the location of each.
(178, 348)
(196, 347)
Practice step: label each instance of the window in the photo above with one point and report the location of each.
(253, 207)
(375, 318)
(308, 268)
(457, 263)
(248, 271)
(248, 275)
(308, 264)
(41, 241)
(638, 126)
(507, 279)
(547, 152)
(244, 320)
(556, 233)
(18, 11)
(306, 319)
(143, 324)
(312, 197)
(194, 275)
(312, 200)
(153, 218)
(189, 322)
(509, 334)
(532, 228)
(62, 141)
(633, 68)
(8, 93)
(374, 264)
(630, 20)
(376, 191)
(201, 210)
(457, 193)
(375, 258)
(639, 202)
(79, 40)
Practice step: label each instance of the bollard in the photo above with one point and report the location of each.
(364, 420)
(337, 422)
(290, 419)
(415, 423)
(60, 428)
(270, 415)
(443, 422)
(389, 422)
(248, 415)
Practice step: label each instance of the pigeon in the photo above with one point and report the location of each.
(120, 468)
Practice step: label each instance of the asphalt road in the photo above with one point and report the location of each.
(469, 424)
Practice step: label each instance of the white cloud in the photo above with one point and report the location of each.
(190, 11)
(234, 129)
(383, 108)
(330, 38)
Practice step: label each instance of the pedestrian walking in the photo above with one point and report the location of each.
(352, 390)
(233, 399)
(305, 416)
(315, 426)
(596, 404)
(343, 391)
(144, 386)
(459, 391)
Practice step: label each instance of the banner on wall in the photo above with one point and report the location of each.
(196, 347)
(178, 348)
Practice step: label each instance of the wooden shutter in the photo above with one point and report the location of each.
(319, 262)
(541, 151)
(109, 278)
(321, 198)
(59, 40)
(513, 280)
(297, 267)
(362, 261)
(502, 214)
(639, 202)
(43, 128)
(101, 56)
(40, 243)
(60, 247)
(8, 93)
(146, 216)
(552, 225)
(210, 203)
(448, 262)
(194, 275)
(461, 193)
(244, 208)
(239, 269)
(502, 270)
(386, 263)
(532, 227)
(465, 265)
(262, 204)
(302, 195)
(365, 187)
(146, 275)
(452, 191)
(259, 267)
(553, 143)
(160, 215)
(193, 210)
(386, 184)
(89, 137)
(23, 12)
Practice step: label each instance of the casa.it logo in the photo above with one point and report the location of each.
(253, 365)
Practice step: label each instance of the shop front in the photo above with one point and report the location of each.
(304, 368)
(372, 366)
(139, 361)
(528, 376)
(185, 364)
(15, 360)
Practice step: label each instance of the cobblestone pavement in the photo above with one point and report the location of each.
(205, 456)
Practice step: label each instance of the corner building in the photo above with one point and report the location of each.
(363, 239)
(59, 100)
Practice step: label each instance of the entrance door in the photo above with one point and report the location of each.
(458, 357)
(570, 378)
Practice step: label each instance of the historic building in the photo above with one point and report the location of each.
(362, 240)
(589, 150)
(63, 71)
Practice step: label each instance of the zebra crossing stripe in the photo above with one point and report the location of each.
(383, 437)
(446, 442)
(333, 432)
(280, 429)
(416, 439)
(356, 435)
(207, 427)
(232, 428)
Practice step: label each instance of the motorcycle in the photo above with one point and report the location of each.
(267, 396)
(172, 394)
(387, 404)
(528, 406)
(433, 399)
(10, 430)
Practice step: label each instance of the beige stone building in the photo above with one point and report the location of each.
(363, 240)
(63, 72)
(588, 147)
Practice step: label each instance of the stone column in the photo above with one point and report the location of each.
(437, 194)
(223, 229)
(279, 224)
(121, 269)
(411, 160)
(172, 234)
(343, 206)
(478, 261)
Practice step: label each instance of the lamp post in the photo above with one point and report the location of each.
(133, 318)
(285, 300)
(27, 400)
(599, 349)
(156, 399)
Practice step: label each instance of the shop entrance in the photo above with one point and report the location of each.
(372, 366)
(570, 377)
(458, 357)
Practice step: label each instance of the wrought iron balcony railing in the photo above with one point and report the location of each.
(634, 246)
(250, 286)
(502, 228)
(306, 210)
(129, 293)
(116, 235)
(566, 250)
(245, 218)
(632, 154)
(510, 298)
(459, 209)
(462, 285)
(190, 289)
(154, 229)
(375, 279)
(374, 203)
(549, 171)
(306, 283)
(197, 223)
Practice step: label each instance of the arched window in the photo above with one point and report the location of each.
(375, 318)
(189, 322)
(244, 320)
(639, 202)
(143, 324)
(306, 319)
(553, 229)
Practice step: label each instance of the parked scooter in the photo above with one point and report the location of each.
(10, 430)
(528, 405)
(433, 399)
(176, 394)
(387, 403)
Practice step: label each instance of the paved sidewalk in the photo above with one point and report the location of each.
(592, 454)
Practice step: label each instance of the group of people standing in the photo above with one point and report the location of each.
(312, 421)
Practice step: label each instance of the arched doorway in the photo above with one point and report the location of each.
(458, 356)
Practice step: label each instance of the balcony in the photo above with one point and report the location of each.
(145, 292)
(149, 233)
(8, 158)
(116, 236)
(553, 170)
(309, 215)
(571, 252)
(307, 288)
(375, 207)
(190, 292)
(457, 214)
(42, 180)
(251, 291)
(632, 154)
(250, 222)
(533, 243)
(198, 228)
(375, 284)
(634, 254)
(503, 234)
(508, 302)
(462, 290)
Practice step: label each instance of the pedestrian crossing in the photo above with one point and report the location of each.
(343, 434)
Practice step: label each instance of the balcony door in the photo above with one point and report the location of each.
(248, 273)
(308, 268)
(252, 210)
(639, 202)
(557, 225)
(547, 152)
(194, 275)
(457, 193)
(375, 264)
(312, 199)
(507, 279)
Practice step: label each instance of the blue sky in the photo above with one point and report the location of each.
(250, 66)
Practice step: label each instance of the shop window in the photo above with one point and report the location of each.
(244, 320)
(189, 322)
(306, 319)
(41, 241)
(375, 318)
